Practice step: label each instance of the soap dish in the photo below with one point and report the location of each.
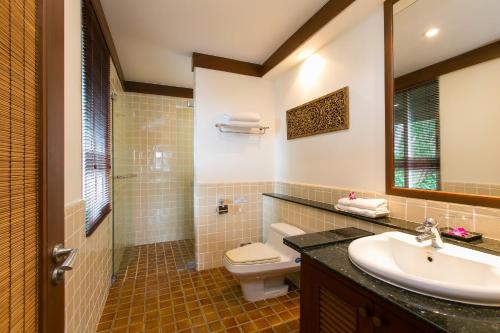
(471, 236)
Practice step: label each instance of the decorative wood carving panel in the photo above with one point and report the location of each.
(328, 113)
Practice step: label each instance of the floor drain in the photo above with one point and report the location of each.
(191, 265)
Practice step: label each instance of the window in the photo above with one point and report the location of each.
(416, 137)
(95, 120)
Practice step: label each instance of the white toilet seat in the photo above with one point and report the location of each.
(284, 263)
(252, 254)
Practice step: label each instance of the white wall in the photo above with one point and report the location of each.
(470, 118)
(231, 157)
(353, 158)
(72, 102)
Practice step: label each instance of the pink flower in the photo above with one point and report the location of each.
(458, 231)
(352, 196)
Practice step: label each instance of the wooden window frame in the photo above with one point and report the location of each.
(470, 58)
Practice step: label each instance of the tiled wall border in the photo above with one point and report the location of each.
(472, 188)
(474, 218)
(214, 233)
(87, 285)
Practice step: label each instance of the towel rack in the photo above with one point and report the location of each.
(126, 176)
(223, 128)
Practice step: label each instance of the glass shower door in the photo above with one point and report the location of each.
(124, 179)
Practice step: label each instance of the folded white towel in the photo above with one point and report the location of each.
(364, 212)
(370, 204)
(245, 124)
(244, 116)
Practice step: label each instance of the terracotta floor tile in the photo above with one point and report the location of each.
(120, 330)
(215, 326)
(229, 322)
(261, 323)
(234, 330)
(267, 330)
(104, 326)
(136, 328)
(212, 316)
(242, 318)
(121, 322)
(248, 327)
(156, 291)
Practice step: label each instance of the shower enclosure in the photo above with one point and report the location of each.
(152, 173)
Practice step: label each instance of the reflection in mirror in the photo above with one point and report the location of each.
(446, 120)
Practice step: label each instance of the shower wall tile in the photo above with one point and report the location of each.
(153, 149)
(216, 234)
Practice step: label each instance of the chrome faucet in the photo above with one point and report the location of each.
(429, 231)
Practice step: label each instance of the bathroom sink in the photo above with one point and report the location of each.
(454, 273)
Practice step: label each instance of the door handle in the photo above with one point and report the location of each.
(58, 254)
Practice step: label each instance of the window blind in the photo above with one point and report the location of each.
(19, 166)
(416, 137)
(95, 120)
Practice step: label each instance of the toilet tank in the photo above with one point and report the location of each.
(275, 235)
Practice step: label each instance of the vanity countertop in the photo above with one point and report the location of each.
(486, 245)
(445, 315)
(314, 240)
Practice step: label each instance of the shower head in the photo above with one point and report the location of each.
(188, 105)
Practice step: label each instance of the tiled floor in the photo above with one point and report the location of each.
(157, 291)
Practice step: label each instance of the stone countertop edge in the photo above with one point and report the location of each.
(309, 241)
(446, 316)
(485, 245)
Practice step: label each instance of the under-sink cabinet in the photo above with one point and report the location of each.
(333, 303)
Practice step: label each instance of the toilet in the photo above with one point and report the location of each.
(261, 268)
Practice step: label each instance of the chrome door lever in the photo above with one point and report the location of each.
(58, 254)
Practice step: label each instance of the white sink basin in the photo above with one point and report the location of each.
(453, 272)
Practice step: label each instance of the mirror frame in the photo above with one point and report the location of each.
(491, 52)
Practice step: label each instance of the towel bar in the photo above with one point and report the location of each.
(223, 128)
(130, 175)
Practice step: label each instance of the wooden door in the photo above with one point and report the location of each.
(31, 164)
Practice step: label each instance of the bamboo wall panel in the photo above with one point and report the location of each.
(19, 159)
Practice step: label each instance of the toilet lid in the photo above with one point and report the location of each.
(255, 253)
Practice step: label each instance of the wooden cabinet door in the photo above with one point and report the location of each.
(330, 306)
(385, 321)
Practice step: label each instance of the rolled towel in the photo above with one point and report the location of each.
(370, 204)
(241, 124)
(243, 116)
(381, 212)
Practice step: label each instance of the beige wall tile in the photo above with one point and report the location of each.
(87, 285)
(489, 226)
(415, 211)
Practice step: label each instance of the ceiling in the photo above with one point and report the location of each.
(156, 38)
(463, 25)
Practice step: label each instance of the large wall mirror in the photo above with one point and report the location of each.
(443, 100)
